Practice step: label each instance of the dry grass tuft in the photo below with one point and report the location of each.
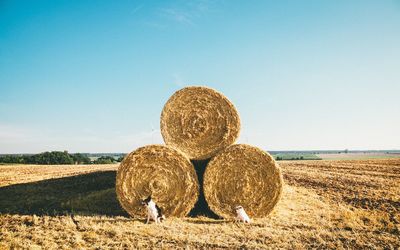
(242, 175)
(162, 172)
(199, 121)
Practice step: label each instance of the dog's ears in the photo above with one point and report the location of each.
(148, 199)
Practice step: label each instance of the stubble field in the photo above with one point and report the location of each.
(325, 204)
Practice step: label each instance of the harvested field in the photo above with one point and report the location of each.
(14, 174)
(325, 204)
(358, 156)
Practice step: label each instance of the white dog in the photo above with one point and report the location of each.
(153, 211)
(241, 215)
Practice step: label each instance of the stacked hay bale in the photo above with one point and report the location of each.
(242, 175)
(199, 123)
(162, 172)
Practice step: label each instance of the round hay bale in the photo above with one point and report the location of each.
(162, 172)
(242, 175)
(200, 122)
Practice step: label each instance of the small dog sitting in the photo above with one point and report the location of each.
(241, 215)
(153, 211)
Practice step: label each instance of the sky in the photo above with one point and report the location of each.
(93, 76)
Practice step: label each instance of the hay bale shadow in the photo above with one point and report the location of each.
(86, 194)
(201, 207)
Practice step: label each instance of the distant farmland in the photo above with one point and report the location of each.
(334, 155)
(358, 156)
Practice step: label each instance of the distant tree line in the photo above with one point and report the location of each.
(106, 160)
(280, 158)
(57, 158)
(296, 157)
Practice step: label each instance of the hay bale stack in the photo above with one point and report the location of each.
(200, 122)
(242, 175)
(162, 172)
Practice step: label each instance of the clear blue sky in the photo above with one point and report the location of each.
(93, 76)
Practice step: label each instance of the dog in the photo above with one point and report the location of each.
(241, 215)
(153, 211)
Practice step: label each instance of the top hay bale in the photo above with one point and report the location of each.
(242, 175)
(162, 172)
(200, 122)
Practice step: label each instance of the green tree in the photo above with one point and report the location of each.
(80, 158)
(50, 158)
(104, 160)
(121, 158)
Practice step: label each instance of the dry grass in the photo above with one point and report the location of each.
(325, 204)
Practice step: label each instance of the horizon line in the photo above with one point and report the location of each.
(295, 150)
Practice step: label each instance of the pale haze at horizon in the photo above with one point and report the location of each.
(93, 76)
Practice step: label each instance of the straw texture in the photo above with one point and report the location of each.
(162, 172)
(242, 175)
(200, 122)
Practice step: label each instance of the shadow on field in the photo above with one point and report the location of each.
(86, 194)
(92, 193)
